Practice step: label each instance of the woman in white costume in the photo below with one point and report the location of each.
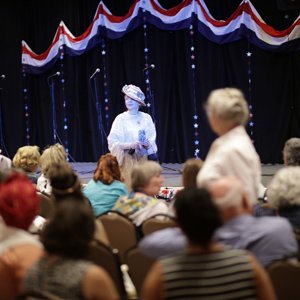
(132, 135)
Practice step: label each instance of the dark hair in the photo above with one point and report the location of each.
(70, 230)
(64, 181)
(107, 169)
(190, 172)
(197, 215)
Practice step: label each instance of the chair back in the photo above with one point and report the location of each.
(46, 205)
(138, 266)
(285, 278)
(158, 222)
(107, 258)
(120, 230)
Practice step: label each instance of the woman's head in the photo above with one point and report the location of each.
(146, 178)
(134, 97)
(64, 181)
(19, 202)
(107, 169)
(197, 215)
(54, 154)
(70, 230)
(284, 189)
(291, 152)
(190, 171)
(27, 158)
(226, 108)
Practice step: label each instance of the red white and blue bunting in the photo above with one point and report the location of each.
(245, 22)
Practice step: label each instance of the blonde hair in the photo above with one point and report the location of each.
(228, 104)
(54, 154)
(27, 158)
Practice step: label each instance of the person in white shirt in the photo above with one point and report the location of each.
(232, 154)
(132, 135)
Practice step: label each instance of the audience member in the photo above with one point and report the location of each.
(106, 186)
(232, 154)
(54, 154)
(291, 157)
(268, 238)
(63, 270)
(28, 159)
(19, 205)
(140, 204)
(190, 171)
(202, 270)
(284, 194)
(64, 182)
(5, 162)
(291, 152)
(65, 185)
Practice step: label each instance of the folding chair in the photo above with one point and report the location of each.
(138, 266)
(158, 222)
(107, 258)
(120, 231)
(285, 278)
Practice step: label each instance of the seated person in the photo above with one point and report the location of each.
(5, 162)
(284, 194)
(268, 238)
(63, 271)
(106, 186)
(140, 204)
(65, 184)
(19, 205)
(201, 271)
(28, 159)
(54, 154)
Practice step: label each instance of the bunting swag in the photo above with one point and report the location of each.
(245, 22)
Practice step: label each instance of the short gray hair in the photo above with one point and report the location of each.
(226, 192)
(142, 174)
(228, 104)
(291, 152)
(284, 189)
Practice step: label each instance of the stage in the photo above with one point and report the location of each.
(171, 172)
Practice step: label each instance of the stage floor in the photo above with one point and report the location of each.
(171, 172)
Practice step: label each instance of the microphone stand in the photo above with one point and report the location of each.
(3, 147)
(95, 96)
(52, 92)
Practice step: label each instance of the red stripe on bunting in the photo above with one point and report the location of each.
(44, 54)
(116, 19)
(216, 23)
(171, 11)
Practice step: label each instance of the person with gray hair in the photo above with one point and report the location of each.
(141, 204)
(284, 194)
(291, 152)
(268, 238)
(232, 154)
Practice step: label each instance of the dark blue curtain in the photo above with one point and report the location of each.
(275, 89)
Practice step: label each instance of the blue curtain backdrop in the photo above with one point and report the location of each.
(274, 88)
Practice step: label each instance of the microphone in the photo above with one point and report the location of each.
(96, 71)
(53, 75)
(2, 76)
(152, 66)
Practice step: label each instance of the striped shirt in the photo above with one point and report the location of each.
(220, 275)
